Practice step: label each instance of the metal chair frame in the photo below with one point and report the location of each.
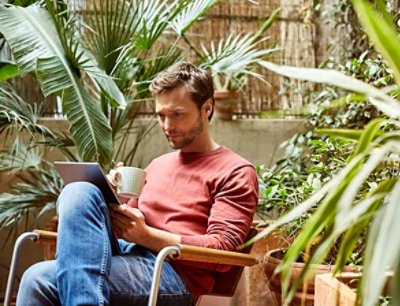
(177, 251)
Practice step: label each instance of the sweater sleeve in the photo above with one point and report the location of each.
(232, 212)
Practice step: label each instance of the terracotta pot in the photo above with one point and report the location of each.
(225, 104)
(340, 290)
(274, 257)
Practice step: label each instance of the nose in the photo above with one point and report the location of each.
(167, 124)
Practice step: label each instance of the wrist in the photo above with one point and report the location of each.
(159, 239)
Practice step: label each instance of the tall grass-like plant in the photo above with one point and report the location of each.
(338, 212)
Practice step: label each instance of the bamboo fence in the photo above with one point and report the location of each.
(299, 33)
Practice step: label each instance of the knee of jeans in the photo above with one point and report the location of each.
(75, 195)
(37, 279)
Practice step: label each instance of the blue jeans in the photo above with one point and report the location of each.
(91, 266)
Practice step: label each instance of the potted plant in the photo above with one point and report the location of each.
(232, 61)
(310, 161)
(341, 212)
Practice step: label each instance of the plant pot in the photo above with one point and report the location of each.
(340, 290)
(252, 289)
(225, 104)
(274, 257)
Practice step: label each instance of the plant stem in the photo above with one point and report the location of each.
(266, 25)
(198, 53)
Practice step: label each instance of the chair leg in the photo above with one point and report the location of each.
(14, 262)
(155, 283)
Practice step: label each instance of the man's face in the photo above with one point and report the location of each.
(179, 118)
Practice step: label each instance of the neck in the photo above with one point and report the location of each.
(202, 146)
(204, 143)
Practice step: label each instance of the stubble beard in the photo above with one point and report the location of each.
(189, 137)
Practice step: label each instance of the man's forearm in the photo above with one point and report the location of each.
(159, 239)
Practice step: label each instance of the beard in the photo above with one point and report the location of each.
(187, 138)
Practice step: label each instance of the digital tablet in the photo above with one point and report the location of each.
(87, 172)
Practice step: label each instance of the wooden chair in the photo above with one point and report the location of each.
(225, 284)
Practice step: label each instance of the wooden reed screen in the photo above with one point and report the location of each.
(297, 32)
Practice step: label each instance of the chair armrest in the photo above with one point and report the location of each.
(201, 254)
(188, 252)
(45, 237)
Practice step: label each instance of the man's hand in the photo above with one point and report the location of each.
(129, 224)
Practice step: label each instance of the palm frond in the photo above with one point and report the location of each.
(23, 160)
(108, 29)
(161, 61)
(235, 56)
(190, 14)
(25, 198)
(382, 249)
(19, 118)
(35, 192)
(69, 32)
(152, 19)
(145, 70)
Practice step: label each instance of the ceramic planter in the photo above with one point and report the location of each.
(225, 104)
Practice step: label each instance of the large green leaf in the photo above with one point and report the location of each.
(8, 71)
(371, 131)
(382, 32)
(360, 223)
(30, 34)
(382, 251)
(89, 126)
(382, 101)
(112, 25)
(352, 135)
(34, 42)
(80, 58)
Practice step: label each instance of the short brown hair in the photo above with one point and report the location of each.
(196, 80)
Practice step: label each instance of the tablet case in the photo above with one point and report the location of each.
(87, 172)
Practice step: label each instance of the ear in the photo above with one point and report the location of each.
(207, 107)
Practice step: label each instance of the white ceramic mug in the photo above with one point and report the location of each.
(130, 181)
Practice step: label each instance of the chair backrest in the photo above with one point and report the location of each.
(226, 282)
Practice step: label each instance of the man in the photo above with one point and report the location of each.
(202, 194)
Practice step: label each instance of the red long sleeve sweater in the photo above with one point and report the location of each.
(209, 199)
